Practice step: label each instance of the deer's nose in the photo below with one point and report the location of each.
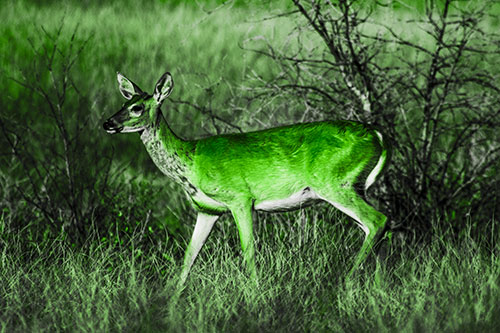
(110, 126)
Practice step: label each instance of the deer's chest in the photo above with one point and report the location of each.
(167, 161)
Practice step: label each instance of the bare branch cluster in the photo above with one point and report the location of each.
(436, 96)
(57, 172)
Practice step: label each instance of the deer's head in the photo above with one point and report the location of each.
(140, 110)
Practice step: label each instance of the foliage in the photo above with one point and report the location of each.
(450, 285)
(91, 235)
(58, 175)
(61, 183)
(59, 170)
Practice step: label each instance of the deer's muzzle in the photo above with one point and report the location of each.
(112, 127)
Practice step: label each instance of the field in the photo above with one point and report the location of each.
(105, 255)
(448, 287)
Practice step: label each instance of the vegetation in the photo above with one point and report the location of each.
(444, 286)
(92, 235)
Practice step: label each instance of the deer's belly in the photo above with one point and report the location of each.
(297, 200)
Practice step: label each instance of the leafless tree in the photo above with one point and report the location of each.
(437, 98)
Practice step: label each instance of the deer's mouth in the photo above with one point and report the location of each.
(110, 127)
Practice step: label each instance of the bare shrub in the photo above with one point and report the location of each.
(432, 87)
(54, 167)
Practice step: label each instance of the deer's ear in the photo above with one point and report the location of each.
(127, 87)
(163, 87)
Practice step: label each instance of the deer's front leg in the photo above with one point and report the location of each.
(204, 224)
(243, 216)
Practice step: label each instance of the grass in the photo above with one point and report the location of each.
(447, 285)
(444, 284)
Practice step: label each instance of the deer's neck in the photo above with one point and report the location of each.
(172, 155)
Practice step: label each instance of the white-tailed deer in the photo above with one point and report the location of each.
(277, 169)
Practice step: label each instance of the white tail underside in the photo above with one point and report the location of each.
(373, 175)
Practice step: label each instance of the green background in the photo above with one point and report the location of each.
(113, 268)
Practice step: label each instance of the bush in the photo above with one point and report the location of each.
(433, 92)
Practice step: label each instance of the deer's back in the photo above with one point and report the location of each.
(282, 159)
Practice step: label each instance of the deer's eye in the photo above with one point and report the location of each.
(136, 110)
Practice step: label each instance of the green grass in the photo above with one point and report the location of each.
(450, 283)
(446, 285)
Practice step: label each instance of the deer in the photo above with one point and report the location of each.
(273, 170)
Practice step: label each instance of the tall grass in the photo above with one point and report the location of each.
(449, 285)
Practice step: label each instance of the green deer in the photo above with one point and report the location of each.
(277, 169)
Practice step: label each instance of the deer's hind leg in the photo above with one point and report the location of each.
(371, 221)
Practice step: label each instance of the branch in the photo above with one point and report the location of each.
(204, 111)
